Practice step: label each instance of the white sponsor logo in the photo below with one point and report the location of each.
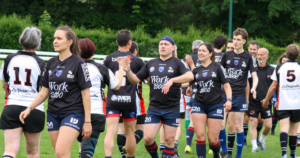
(110, 112)
(70, 72)
(170, 70)
(228, 62)
(116, 58)
(121, 98)
(269, 113)
(50, 125)
(177, 120)
(85, 72)
(206, 86)
(214, 74)
(198, 64)
(219, 111)
(195, 108)
(59, 88)
(69, 75)
(235, 74)
(158, 83)
(244, 106)
(151, 69)
(224, 72)
(148, 119)
(74, 120)
(244, 64)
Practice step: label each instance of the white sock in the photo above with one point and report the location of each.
(254, 144)
(262, 138)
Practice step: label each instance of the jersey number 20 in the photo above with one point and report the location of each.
(17, 79)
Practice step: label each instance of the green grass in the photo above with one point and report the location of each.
(46, 149)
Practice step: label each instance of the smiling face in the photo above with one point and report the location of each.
(165, 48)
(253, 49)
(60, 41)
(238, 41)
(204, 54)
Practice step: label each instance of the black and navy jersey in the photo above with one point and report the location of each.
(22, 71)
(288, 76)
(237, 67)
(160, 72)
(264, 77)
(209, 80)
(126, 96)
(218, 56)
(100, 76)
(65, 80)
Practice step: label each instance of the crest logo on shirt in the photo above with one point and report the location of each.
(197, 76)
(228, 62)
(58, 73)
(236, 62)
(214, 74)
(132, 114)
(161, 69)
(170, 70)
(49, 72)
(151, 69)
(244, 64)
(204, 74)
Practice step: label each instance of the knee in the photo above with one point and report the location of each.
(60, 153)
(253, 123)
(212, 141)
(148, 140)
(169, 141)
(32, 151)
(200, 136)
(239, 127)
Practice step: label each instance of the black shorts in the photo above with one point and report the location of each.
(34, 123)
(182, 115)
(98, 122)
(275, 113)
(140, 120)
(293, 114)
(256, 107)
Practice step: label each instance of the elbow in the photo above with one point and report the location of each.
(191, 76)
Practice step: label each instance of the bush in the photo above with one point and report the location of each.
(12, 26)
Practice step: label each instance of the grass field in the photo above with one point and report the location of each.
(46, 149)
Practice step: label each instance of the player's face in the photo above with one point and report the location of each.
(60, 41)
(165, 48)
(284, 59)
(229, 47)
(238, 42)
(262, 56)
(252, 49)
(204, 54)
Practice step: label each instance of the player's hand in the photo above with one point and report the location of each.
(227, 106)
(189, 60)
(275, 105)
(167, 86)
(24, 114)
(265, 103)
(189, 91)
(125, 63)
(87, 130)
(253, 91)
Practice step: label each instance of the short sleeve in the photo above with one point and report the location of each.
(183, 67)
(2, 72)
(274, 75)
(83, 76)
(222, 75)
(45, 76)
(105, 62)
(252, 64)
(194, 74)
(143, 73)
(249, 74)
(222, 62)
(113, 80)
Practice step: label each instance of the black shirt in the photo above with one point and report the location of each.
(125, 97)
(209, 80)
(218, 56)
(65, 80)
(264, 77)
(160, 72)
(237, 66)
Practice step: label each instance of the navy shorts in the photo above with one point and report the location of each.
(239, 104)
(125, 114)
(168, 117)
(215, 111)
(71, 119)
(191, 101)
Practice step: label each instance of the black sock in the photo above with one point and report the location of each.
(138, 135)
(292, 144)
(283, 142)
(176, 144)
(245, 126)
(231, 139)
(258, 128)
(274, 123)
(121, 141)
(216, 149)
(79, 155)
(152, 150)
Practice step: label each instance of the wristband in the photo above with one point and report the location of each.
(247, 102)
(30, 108)
(120, 68)
(87, 122)
(128, 71)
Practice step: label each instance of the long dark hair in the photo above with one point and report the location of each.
(281, 57)
(210, 49)
(74, 48)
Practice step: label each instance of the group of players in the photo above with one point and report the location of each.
(217, 84)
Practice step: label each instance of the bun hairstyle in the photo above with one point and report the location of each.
(74, 48)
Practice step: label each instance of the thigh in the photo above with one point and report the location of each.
(98, 122)
(295, 117)
(112, 125)
(169, 131)
(73, 119)
(10, 117)
(53, 137)
(32, 140)
(200, 124)
(53, 121)
(239, 117)
(293, 128)
(121, 128)
(151, 130)
(12, 138)
(140, 119)
(66, 138)
(35, 122)
(214, 127)
(129, 126)
(216, 111)
(285, 124)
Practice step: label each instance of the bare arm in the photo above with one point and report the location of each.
(228, 93)
(184, 85)
(87, 126)
(120, 78)
(271, 91)
(247, 91)
(187, 77)
(133, 78)
(4, 85)
(254, 84)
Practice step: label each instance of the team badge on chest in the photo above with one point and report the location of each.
(58, 73)
(204, 74)
(236, 62)
(228, 62)
(151, 69)
(49, 72)
(161, 69)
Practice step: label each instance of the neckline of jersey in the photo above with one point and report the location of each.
(166, 59)
(26, 53)
(65, 59)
